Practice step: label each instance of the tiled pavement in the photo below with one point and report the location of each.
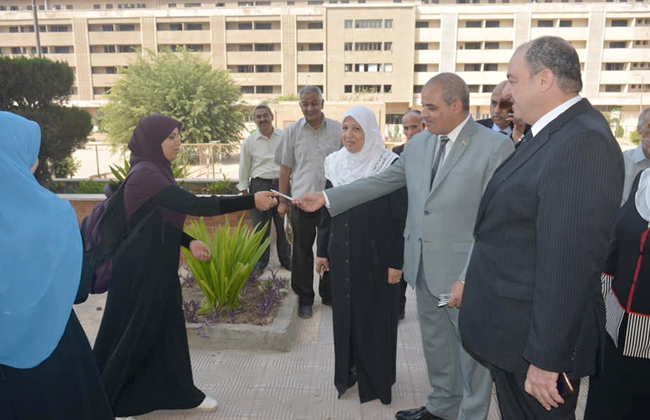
(298, 385)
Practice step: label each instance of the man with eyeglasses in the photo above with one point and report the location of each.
(502, 119)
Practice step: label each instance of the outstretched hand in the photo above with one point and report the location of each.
(311, 201)
(200, 250)
(264, 200)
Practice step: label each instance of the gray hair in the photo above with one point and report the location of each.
(642, 117)
(557, 55)
(454, 87)
(262, 106)
(311, 88)
(413, 111)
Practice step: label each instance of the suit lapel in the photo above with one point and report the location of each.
(520, 157)
(457, 149)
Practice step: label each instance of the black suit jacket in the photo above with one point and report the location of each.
(487, 122)
(532, 293)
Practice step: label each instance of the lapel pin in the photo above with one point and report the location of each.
(464, 143)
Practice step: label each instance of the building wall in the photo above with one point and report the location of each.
(375, 50)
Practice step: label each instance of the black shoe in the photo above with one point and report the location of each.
(305, 311)
(287, 266)
(326, 302)
(416, 414)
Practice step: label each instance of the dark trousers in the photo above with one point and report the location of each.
(516, 404)
(304, 226)
(261, 217)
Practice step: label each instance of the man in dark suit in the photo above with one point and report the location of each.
(532, 306)
(501, 119)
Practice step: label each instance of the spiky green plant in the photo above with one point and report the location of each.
(235, 251)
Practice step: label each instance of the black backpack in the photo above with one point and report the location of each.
(106, 235)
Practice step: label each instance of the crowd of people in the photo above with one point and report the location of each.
(523, 236)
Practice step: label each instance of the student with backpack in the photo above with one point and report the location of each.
(141, 347)
(47, 369)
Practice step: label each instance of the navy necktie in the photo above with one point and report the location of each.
(441, 151)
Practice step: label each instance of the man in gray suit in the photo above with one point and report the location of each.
(445, 170)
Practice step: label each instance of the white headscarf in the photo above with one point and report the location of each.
(642, 197)
(343, 167)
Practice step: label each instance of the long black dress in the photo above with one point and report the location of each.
(65, 386)
(141, 347)
(361, 244)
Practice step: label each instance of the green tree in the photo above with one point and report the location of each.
(37, 88)
(178, 84)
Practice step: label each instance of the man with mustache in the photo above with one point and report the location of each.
(502, 119)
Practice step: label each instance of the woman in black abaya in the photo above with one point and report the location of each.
(141, 347)
(363, 250)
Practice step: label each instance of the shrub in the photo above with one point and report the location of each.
(234, 255)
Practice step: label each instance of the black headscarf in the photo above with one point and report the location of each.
(150, 170)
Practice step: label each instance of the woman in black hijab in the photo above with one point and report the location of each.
(141, 347)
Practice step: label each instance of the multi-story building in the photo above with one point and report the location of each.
(350, 48)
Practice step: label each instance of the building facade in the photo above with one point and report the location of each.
(354, 50)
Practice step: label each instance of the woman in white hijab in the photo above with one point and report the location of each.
(363, 249)
(622, 390)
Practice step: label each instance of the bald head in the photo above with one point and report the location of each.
(412, 123)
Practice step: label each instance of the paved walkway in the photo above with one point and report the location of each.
(298, 385)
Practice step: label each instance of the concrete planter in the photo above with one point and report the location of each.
(223, 336)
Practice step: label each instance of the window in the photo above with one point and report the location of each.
(247, 89)
(195, 47)
(58, 28)
(473, 24)
(262, 26)
(245, 69)
(262, 3)
(618, 23)
(126, 48)
(107, 28)
(315, 47)
(367, 46)
(61, 50)
(347, 68)
(192, 5)
(618, 44)
(420, 68)
(367, 88)
(220, 5)
(388, 68)
(175, 26)
(417, 88)
(388, 23)
(642, 22)
(264, 89)
(264, 68)
(264, 47)
(347, 89)
(348, 24)
(108, 6)
(421, 46)
(566, 23)
(97, 6)
(614, 66)
(488, 88)
(472, 45)
(472, 88)
(388, 46)
(315, 2)
(544, 23)
(491, 45)
(68, 7)
(367, 23)
(315, 68)
(422, 24)
(15, 50)
(490, 67)
(14, 29)
(171, 5)
(472, 67)
(245, 3)
(109, 49)
(126, 28)
(245, 26)
(194, 27)
(388, 88)
(347, 46)
(640, 43)
(314, 25)
(492, 23)
(612, 88)
(111, 70)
